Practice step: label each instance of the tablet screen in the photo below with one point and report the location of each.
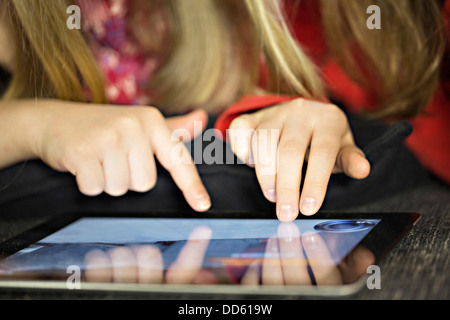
(194, 251)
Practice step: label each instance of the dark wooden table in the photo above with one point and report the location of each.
(417, 268)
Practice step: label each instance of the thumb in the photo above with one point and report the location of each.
(353, 163)
(192, 124)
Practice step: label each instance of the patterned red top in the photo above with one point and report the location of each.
(126, 70)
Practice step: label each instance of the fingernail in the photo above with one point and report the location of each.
(272, 245)
(271, 195)
(308, 206)
(203, 202)
(311, 241)
(286, 213)
(288, 231)
(201, 233)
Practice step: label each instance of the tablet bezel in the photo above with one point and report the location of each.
(381, 240)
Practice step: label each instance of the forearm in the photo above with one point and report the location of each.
(19, 123)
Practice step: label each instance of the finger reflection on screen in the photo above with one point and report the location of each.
(284, 262)
(321, 263)
(144, 263)
(288, 258)
(190, 259)
(292, 258)
(356, 263)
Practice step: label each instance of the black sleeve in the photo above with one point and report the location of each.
(394, 168)
(33, 188)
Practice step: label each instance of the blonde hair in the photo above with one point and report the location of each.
(216, 48)
(215, 54)
(402, 61)
(51, 61)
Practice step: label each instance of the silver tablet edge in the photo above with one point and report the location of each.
(324, 291)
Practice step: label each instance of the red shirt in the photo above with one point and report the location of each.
(430, 141)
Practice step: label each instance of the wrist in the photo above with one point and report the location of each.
(18, 129)
(33, 120)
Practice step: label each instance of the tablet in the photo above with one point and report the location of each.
(329, 254)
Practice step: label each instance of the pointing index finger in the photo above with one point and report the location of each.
(175, 158)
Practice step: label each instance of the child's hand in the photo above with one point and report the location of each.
(279, 139)
(111, 149)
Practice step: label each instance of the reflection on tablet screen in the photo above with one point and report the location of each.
(199, 251)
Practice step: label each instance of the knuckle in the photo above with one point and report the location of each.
(88, 187)
(150, 119)
(288, 190)
(73, 155)
(266, 138)
(147, 184)
(242, 122)
(337, 114)
(326, 143)
(116, 192)
(325, 150)
(316, 185)
(116, 187)
(151, 114)
(240, 137)
(300, 105)
(109, 137)
(328, 111)
(290, 147)
(127, 122)
(122, 127)
(90, 190)
(298, 102)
